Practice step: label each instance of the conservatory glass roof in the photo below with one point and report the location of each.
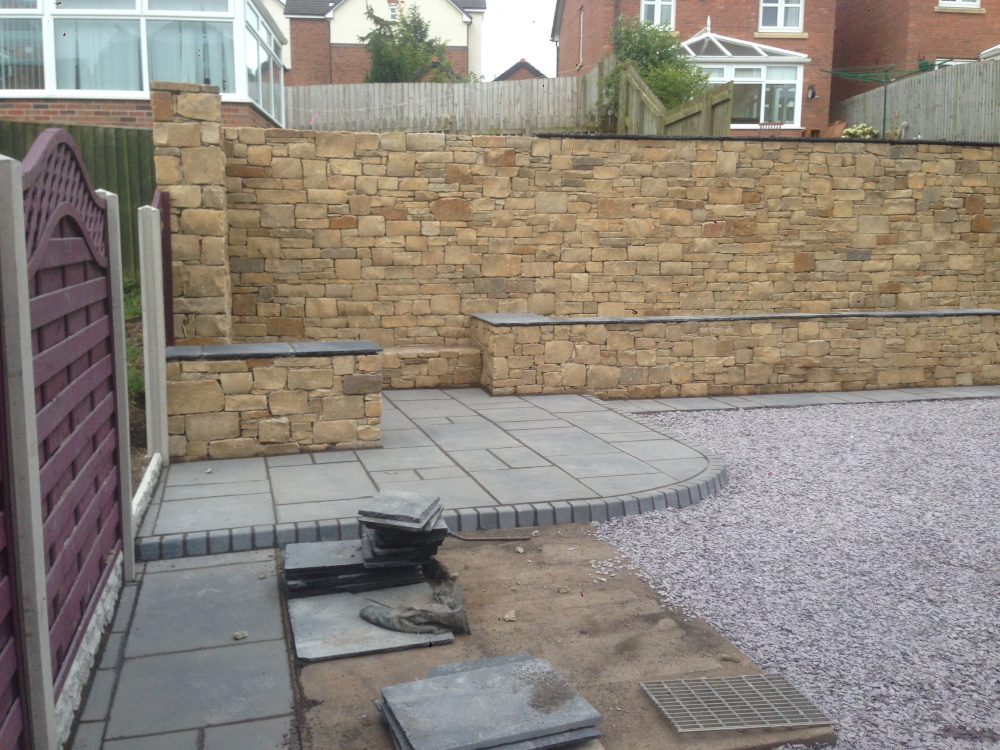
(706, 44)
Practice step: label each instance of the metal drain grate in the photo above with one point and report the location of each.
(765, 701)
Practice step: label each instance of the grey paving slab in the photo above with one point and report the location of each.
(330, 627)
(849, 397)
(643, 405)
(269, 734)
(203, 607)
(637, 433)
(620, 485)
(469, 666)
(334, 457)
(400, 596)
(563, 441)
(473, 395)
(446, 407)
(509, 414)
(603, 465)
(696, 404)
(971, 391)
(476, 460)
(172, 741)
(405, 438)
(403, 458)
(542, 484)
(568, 403)
(795, 399)
(190, 491)
(396, 505)
(294, 460)
(599, 423)
(520, 457)
(428, 421)
(191, 689)
(181, 516)
(658, 450)
(229, 470)
(102, 687)
(454, 437)
(339, 481)
(886, 397)
(126, 605)
(112, 652)
(458, 492)
(214, 561)
(88, 736)
(394, 419)
(544, 424)
(416, 394)
(300, 512)
(475, 419)
(681, 469)
(443, 472)
(400, 475)
(739, 402)
(434, 713)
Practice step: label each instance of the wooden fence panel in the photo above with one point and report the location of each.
(956, 103)
(119, 160)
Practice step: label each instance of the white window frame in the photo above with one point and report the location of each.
(393, 11)
(781, 6)
(959, 3)
(237, 14)
(729, 74)
(657, 6)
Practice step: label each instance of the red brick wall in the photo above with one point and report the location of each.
(733, 18)
(350, 62)
(114, 113)
(869, 32)
(310, 42)
(934, 34)
(521, 74)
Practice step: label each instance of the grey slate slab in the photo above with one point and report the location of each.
(532, 485)
(411, 508)
(214, 472)
(191, 689)
(172, 741)
(602, 465)
(509, 703)
(474, 664)
(400, 596)
(345, 556)
(203, 514)
(194, 491)
(269, 734)
(203, 607)
(479, 435)
(330, 627)
(323, 481)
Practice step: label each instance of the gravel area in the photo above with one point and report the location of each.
(855, 550)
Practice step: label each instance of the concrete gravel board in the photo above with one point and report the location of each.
(330, 627)
(512, 702)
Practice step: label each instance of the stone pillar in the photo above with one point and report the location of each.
(191, 166)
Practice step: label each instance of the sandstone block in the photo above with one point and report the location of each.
(287, 402)
(270, 378)
(310, 379)
(451, 209)
(218, 426)
(425, 142)
(558, 352)
(204, 166)
(234, 448)
(205, 281)
(371, 226)
(203, 221)
(236, 382)
(603, 377)
(551, 203)
(290, 327)
(335, 432)
(501, 265)
(273, 431)
(195, 397)
(320, 307)
(361, 384)
(207, 107)
(337, 408)
(496, 187)
(400, 165)
(614, 208)
(335, 145)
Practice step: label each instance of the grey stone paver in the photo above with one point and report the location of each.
(520, 457)
(658, 450)
(411, 438)
(456, 492)
(542, 484)
(228, 470)
(389, 459)
(563, 441)
(303, 484)
(88, 736)
(603, 465)
(194, 491)
(98, 701)
(180, 516)
(172, 741)
(296, 459)
(269, 734)
(452, 437)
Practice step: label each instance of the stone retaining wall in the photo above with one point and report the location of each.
(272, 399)
(737, 355)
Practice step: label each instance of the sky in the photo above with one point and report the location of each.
(513, 29)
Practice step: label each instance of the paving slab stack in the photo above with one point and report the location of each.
(513, 702)
(401, 532)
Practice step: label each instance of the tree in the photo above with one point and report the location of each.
(657, 55)
(399, 49)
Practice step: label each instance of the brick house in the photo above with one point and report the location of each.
(324, 36)
(520, 71)
(90, 63)
(775, 50)
(905, 32)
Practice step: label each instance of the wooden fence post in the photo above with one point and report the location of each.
(29, 544)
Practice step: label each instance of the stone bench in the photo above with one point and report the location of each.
(239, 400)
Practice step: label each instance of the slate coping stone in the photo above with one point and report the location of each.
(509, 703)
(406, 507)
(222, 352)
(307, 557)
(330, 627)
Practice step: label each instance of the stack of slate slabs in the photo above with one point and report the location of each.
(401, 532)
(505, 703)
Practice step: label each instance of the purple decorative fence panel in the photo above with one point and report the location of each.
(161, 200)
(75, 400)
(13, 732)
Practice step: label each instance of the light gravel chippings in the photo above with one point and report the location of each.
(855, 550)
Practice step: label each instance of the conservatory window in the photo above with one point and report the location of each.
(21, 63)
(96, 55)
(191, 52)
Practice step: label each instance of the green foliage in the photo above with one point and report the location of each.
(132, 300)
(657, 55)
(400, 49)
(861, 130)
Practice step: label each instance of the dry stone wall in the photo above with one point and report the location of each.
(262, 405)
(737, 355)
(398, 238)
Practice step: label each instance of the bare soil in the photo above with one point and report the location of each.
(603, 637)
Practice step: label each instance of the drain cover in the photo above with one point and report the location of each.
(765, 701)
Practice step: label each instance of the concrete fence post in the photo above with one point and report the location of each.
(154, 332)
(29, 543)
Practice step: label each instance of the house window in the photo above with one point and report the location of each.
(781, 15)
(393, 11)
(191, 51)
(658, 11)
(958, 3)
(18, 4)
(201, 6)
(98, 55)
(72, 5)
(21, 63)
(762, 94)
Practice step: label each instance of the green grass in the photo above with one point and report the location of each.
(133, 345)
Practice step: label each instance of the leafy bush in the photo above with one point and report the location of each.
(861, 130)
(400, 49)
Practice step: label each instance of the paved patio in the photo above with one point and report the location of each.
(496, 462)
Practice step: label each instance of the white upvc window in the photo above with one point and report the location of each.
(393, 11)
(658, 11)
(762, 93)
(959, 3)
(781, 15)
